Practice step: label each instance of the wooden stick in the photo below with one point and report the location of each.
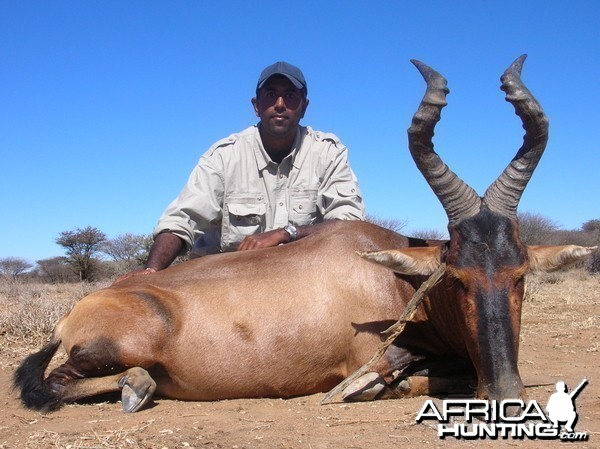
(392, 332)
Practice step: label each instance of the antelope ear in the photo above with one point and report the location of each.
(409, 261)
(552, 258)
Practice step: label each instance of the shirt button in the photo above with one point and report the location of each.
(281, 204)
(300, 207)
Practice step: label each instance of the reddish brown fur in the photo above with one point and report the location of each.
(222, 333)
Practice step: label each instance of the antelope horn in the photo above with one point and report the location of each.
(458, 199)
(504, 194)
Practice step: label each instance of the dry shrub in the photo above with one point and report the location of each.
(393, 224)
(537, 283)
(593, 264)
(562, 305)
(29, 311)
(533, 285)
(540, 284)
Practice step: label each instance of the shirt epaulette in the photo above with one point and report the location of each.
(226, 141)
(221, 143)
(327, 137)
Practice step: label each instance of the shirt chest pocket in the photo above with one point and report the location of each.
(245, 214)
(303, 207)
(242, 219)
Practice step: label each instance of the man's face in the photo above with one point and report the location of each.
(280, 105)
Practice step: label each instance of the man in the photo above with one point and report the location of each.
(267, 185)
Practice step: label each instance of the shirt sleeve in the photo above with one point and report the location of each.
(339, 193)
(198, 207)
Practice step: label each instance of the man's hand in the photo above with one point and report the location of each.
(138, 272)
(264, 240)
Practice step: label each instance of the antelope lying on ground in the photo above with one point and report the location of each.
(297, 319)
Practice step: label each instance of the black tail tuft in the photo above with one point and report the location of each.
(29, 378)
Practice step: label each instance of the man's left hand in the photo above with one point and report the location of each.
(264, 240)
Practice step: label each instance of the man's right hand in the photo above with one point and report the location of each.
(138, 272)
(164, 250)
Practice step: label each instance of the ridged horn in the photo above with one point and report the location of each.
(504, 194)
(458, 199)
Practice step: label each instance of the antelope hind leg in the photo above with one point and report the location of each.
(136, 385)
(137, 389)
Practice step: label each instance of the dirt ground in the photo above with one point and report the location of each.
(559, 341)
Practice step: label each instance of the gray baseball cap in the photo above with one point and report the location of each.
(291, 72)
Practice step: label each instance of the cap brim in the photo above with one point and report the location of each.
(293, 80)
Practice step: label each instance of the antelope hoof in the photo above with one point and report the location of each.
(365, 388)
(137, 388)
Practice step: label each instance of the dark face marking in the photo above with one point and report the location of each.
(487, 242)
(488, 262)
(494, 325)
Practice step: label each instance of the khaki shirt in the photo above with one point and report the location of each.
(236, 190)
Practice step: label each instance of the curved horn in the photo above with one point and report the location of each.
(504, 194)
(458, 199)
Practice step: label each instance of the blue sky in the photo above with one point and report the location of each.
(105, 107)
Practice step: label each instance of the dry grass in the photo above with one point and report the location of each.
(576, 286)
(29, 312)
(122, 438)
(562, 305)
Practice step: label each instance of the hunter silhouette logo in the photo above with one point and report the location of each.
(510, 418)
(561, 405)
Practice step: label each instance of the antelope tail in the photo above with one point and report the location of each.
(29, 379)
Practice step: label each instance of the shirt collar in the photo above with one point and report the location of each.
(262, 157)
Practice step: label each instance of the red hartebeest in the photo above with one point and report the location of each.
(297, 319)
